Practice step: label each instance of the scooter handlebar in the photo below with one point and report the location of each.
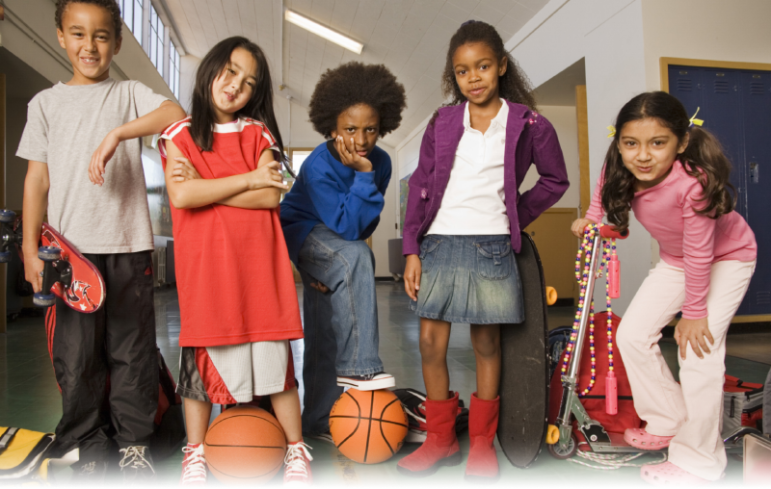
(611, 233)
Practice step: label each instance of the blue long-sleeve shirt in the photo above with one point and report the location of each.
(326, 191)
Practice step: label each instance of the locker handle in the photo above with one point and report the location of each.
(754, 172)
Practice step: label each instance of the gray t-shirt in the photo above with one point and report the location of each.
(65, 125)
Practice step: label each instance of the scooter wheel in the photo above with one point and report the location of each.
(564, 454)
(43, 300)
(49, 253)
(7, 217)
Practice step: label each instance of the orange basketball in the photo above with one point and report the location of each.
(368, 427)
(244, 445)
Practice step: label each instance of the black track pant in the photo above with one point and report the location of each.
(106, 363)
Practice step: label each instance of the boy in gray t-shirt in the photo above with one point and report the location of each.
(73, 130)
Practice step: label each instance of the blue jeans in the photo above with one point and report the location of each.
(341, 328)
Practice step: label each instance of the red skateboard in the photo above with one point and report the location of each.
(67, 274)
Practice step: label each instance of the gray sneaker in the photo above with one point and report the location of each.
(371, 382)
(136, 465)
(90, 473)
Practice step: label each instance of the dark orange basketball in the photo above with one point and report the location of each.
(244, 445)
(368, 427)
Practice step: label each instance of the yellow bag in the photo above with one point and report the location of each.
(21, 451)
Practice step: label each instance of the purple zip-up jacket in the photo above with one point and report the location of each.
(530, 139)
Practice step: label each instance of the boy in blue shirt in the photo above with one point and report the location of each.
(334, 205)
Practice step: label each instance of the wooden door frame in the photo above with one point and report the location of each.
(582, 119)
(3, 267)
(664, 64)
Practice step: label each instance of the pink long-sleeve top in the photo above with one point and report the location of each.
(687, 240)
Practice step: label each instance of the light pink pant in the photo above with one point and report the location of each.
(692, 410)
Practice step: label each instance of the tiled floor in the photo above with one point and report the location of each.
(29, 396)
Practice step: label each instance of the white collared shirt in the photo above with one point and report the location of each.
(474, 202)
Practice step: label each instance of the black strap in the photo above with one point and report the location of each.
(8, 435)
(166, 383)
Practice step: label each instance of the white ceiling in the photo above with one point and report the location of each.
(409, 36)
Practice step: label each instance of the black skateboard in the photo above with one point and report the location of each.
(522, 423)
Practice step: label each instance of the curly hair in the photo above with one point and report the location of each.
(110, 5)
(352, 84)
(702, 159)
(512, 85)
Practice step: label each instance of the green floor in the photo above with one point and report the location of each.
(29, 396)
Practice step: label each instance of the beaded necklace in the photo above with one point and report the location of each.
(609, 263)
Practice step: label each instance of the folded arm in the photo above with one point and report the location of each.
(257, 189)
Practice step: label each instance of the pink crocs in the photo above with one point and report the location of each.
(642, 440)
(669, 474)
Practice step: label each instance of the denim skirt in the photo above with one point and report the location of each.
(469, 279)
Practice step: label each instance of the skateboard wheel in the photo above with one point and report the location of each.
(552, 434)
(564, 453)
(49, 253)
(5, 256)
(7, 217)
(43, 300)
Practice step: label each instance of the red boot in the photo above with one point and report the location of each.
(482, 464)
(441, 445)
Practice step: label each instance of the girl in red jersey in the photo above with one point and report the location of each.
(237, 295)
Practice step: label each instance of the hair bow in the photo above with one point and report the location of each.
(468, 22)
(694, 120)
(612, 133)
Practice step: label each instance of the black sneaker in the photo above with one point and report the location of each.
(136, 465)
(90, 473)
(326, 437)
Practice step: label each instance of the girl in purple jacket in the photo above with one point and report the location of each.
(462, 228)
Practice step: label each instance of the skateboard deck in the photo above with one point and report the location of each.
(522, 422)
(67, 273)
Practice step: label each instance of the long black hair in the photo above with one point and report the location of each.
(702, 159)
(513, 85)
(259, 107)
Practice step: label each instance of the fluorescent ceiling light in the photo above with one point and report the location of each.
(324, 32)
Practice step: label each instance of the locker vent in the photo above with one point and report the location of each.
(721, 86)
(684, 84)
(763, 297)
(757, 88)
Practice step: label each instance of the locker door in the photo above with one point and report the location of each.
(756, 95)
(723, 116)
(716, 94)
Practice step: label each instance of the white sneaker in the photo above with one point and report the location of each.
(193, 466)
(297, 468)
(371, 382)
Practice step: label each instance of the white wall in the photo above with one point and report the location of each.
(608, 34)
(705, 29)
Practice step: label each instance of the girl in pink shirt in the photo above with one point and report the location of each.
(675, 179)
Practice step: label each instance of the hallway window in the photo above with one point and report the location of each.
(131, 11)
(155, 50)
(174, 69)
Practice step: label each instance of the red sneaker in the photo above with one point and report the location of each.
(193, 466)
(297, 465)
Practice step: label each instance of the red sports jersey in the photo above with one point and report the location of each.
(234, 277)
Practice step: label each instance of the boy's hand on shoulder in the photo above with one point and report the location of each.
(184, 170)
(349, 156)
(412, 271)
(101, 156)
